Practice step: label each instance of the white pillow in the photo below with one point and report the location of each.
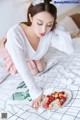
(70, 25)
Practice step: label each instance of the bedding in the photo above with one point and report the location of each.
(65, 74)
(72, 24)
(3, 72)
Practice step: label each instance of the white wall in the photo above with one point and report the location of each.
(14, 11)
(64, 8)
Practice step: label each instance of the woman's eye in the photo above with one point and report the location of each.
(42, 24)
(39, 23)
(49, 25)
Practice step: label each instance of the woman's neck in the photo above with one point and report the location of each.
(31, 33)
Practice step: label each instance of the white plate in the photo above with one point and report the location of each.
(51, 90)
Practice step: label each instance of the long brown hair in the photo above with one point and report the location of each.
(46, 6)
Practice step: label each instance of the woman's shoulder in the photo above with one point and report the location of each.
(17, 28)
(13, 29)
(14, 35)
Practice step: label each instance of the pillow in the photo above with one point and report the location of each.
(76, 18)
(70, 25)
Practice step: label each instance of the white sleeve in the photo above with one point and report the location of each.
(14, 46)
(61, 40)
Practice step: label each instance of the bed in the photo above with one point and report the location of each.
(64, 73)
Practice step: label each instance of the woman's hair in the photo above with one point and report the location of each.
(46, 6)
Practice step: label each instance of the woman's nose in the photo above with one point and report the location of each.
(44, 29)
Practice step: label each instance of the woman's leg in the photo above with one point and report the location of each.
(36, 66)
(40, 64)
(33, 67)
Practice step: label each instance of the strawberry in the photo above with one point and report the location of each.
(62, 100)
(47, 98)
(46, 105)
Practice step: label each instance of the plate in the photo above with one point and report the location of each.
(61, 99)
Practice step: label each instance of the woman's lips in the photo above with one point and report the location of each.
(42, 34)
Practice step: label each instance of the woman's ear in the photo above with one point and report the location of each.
(30, 17)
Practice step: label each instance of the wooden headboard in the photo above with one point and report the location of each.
(76, 18)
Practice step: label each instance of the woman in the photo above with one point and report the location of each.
(28, 42)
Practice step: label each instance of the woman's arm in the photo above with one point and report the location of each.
(61, 40)
(14, 46)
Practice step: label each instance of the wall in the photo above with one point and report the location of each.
(14, 11)
(68, 13)
(64, 8)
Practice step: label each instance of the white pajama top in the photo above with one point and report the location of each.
(21, 51)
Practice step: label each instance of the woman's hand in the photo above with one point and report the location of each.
(37, 102)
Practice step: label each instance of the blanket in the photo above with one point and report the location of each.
(65, 75)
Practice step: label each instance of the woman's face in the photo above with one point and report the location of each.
(42, 23)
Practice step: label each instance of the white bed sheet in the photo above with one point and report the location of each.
(65, 74)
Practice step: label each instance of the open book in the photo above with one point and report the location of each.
(49, 64)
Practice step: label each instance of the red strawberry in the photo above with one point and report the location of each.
(62, 92)
(46, 105)
(62, 100)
